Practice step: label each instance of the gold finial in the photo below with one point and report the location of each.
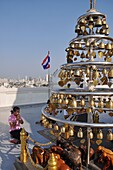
(92, 4)
(52, 163)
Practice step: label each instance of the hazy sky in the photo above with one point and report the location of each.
(29, 28)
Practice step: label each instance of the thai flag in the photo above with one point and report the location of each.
(46, 62)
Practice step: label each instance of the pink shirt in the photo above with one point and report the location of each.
(12, 118)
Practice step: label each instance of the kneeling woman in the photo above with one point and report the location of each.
(15, 120)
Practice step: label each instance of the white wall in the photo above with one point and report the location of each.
(22, 96)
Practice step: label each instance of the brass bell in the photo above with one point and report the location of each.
(73, 103)
(77, 73)
(56, 127)
(110, 73)
(104, 22)
(82, 55)
(77, 53)
(100, 104)
(102, 30)
(92, 103)
(101, 45)
(82, 102)
(100, 134)
(72, 45)
(106, 26)
(83, 21)
(100, 54)
(65, 101)
(85, 32)
(79, 46)
(95, 44)
(90, 134)
(42, 117)
(107, 32)
(88, 110)
(90, 19)
(98, 22)
(60, 101)
(83, 28)
(87, 71)
(71, 131)
(80, 133)
(110, 135)
(96, 118)
(50, 125)
(109, 104)
(97, 75)
(77, 28)
(104, 71)
(108, 46)
(67, 49)
(87, 44)
(63, 129)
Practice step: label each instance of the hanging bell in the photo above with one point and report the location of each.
(98, 22)
(110, 135)
(85, 32)
(65, 101)
(56, 127)
(90, 19)
(63, 129)
(104, 22)
(73, 103)
(108, 46)
(77, 28)
(100, 104)
(96, 118)
(102, 30)
(79, 46)
(82, 102)
(87, 71)
(42, 117)
(100, 134)
(72, 45)
(95, 44)
(80, 133)
(107, 31)
(90, 134)
(97, 75)
(82, 55)
(71, 131)
(101, 45)
(104, 71)
(92, 103)
(77, 53)
(110, 73)
(83, 21)
(67, 49)
(106, 26)
(50, 125)
(87, 44)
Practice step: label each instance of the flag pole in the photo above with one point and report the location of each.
(48, 79)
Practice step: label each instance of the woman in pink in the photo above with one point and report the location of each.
(15, 120)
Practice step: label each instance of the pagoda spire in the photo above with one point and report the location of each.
(92, 4)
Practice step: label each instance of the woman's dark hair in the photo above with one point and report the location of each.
(15, 108)
(11, 111)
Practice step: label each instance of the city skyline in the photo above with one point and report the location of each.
(29, 29)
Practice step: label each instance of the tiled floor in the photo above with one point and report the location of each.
(8, 151)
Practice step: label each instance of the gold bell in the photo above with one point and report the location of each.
(42, 117)
(72, 45)
(77, 28)
(83, 21)
(104, 22)
(87, 44)
(82, 102)
(73, 103)
(65, 101)
(92, 103)
(71, 131)
(110, 73)
(101, 45)
(98, 22)
(63, 129)
(100, 134)
(67, 49)
(90, 19)
(80, 133)
(50, 125)
(90, 134)
(106, 26)
(100, 103)
(107, 32)
(79, 46)
(56, 127)
(104, 71)
(87, 71)
(108, 46)
(95, 44)
(82, 55)
(110, 135)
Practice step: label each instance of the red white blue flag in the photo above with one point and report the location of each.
(46, 62)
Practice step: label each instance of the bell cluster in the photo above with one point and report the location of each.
(69, 131)
(92, 31)
(100, 76)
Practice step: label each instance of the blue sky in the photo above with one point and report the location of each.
(29, 28)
